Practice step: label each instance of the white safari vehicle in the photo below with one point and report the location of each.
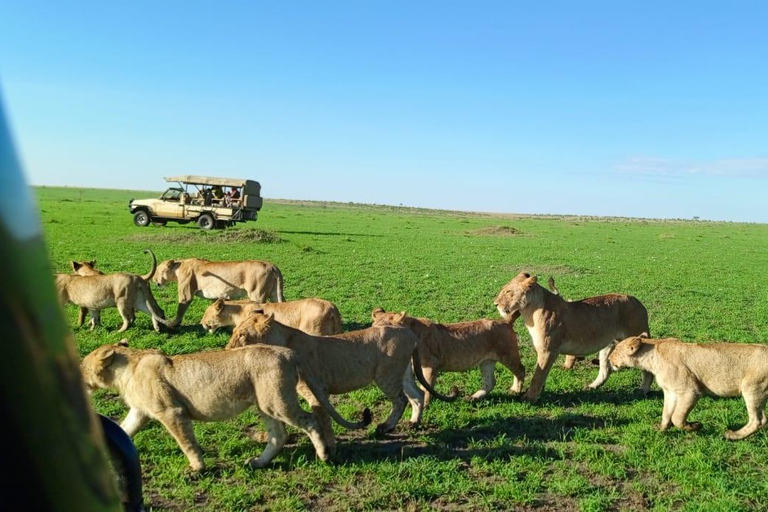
(210, 202)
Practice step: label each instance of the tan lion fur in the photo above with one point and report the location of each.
(85, 268)
(312, 315)
(211, 386)
(458, 347)
(258, 280)
(577, 328)
(687, 371)
(127, 292)
(350, 361)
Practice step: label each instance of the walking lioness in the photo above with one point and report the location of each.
(576, 328)
(127, 292)
(686, 371)
(212, 386)
(350, 361)
(258, 280)
(458, 347)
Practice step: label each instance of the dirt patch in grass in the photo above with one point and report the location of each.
(228, 236)
(496, 231)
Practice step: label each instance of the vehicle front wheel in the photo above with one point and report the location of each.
(141, 218)
(206, 221)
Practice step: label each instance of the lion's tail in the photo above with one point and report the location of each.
(416, 360)
(314, 386)
(146, 277)
(278, 286)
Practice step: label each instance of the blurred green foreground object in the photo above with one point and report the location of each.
(55, 455)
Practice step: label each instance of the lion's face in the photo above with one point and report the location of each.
(166, 272)
(255, 328)
(95, 368)
(382, 318)
(212, 321)
(514, 296)
(624, 353)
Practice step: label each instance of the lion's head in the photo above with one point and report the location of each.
(255, 328)
(516, 294)
(626, 351)
(166, 272)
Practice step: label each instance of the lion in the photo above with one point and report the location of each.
(577, 328)
(258, 280)
(127, 292)
(458, 347)
(84, 268)
(350, 361)
(687, 371)
(213, 385)
(569, 360)
(312, 315)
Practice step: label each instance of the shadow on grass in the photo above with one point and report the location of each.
(594, 396)
(466, 443)
(355, 326)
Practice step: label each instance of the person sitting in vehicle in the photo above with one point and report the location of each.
(218, 193)
(233, 196)
(207, 196)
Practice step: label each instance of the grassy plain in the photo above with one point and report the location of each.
(575, 450)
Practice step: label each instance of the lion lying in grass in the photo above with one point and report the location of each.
(458, 347)
(212, 386)
(687, 371)
(576, 328)
(350, 361)
(313, 315)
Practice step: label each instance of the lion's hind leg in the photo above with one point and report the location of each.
(180, 427)
(755, 398)
(487, 370)
(276, 437)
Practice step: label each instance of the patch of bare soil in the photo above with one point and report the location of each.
(496, 231)
(228, 236)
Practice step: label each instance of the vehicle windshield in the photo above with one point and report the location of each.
(172, 194)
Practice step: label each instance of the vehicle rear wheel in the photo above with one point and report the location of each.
(206, 221)
(141, 218)
(159, 222)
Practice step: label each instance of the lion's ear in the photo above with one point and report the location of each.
(270, 317)
(92, 263)
(106, 355)
(533, 280)
(644, 335)
(76, 265)
(218, 305)
(122, 343)
(401, 316)
(377, 313)
(634, 345)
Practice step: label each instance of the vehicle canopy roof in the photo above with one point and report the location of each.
(251, 186)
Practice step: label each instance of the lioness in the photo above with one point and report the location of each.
(457, 347)
(349, 361)
(577, 328)
(313, 315)
(686, 371)
(211, 386)
(258, 280)
(128, 292)
(84, 268)
(569, 360)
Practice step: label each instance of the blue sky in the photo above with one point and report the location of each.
(643, 109)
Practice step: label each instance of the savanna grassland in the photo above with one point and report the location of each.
(575, 450)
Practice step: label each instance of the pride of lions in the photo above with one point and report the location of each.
(282, 350)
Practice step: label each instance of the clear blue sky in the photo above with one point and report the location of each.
(645, 109)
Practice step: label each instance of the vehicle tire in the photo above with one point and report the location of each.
(159, 222)
(206, 221)
(141, 218)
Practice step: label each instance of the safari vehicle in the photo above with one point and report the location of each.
(210, 202)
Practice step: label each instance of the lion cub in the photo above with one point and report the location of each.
(212, 386)
(313, 315)
(686, 371)
(461, 346)
(125, 291)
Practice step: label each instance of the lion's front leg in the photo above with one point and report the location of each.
(134, 421)
(685, 403)
(544, 361)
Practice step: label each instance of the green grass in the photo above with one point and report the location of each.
(575, 450)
